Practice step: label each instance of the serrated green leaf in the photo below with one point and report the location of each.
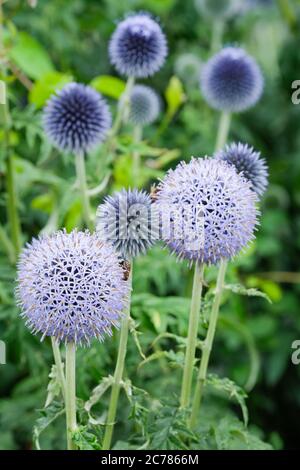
(242, 290)
(48, 416)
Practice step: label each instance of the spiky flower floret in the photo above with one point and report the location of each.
(71, 287)
(144, 105)
(207, 211)
(231, 80)
(128, 220)
(138, 46)
(248, 162)
(76, 118)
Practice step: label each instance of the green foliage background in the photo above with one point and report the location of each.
(58, 40)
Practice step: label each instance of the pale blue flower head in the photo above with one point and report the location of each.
(231, 80)
(76, 118)
(144, 105)
(138, 47)
(128, 220)
(71, 286)
(248, 162)
(207, 210)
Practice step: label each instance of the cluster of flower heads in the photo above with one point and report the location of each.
(231, 81)
(138, 46)
(76, 118)
(208, 211)
(71, 287)
(128, 221)
(248, 162)
(144, 105)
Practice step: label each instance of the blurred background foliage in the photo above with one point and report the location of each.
(56, 41)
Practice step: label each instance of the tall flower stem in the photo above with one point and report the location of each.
(123, 108)
(137, 137)
(12, 211)
(118, 375)
(81, 177)
(217, 33)
(71, 393)
(207, 346)
(223, 130)
(59, 366)
(192, 336)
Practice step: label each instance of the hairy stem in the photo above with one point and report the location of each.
(71, 393)
(59, 365)
(81, 177)
(223, 130)
(207, 346)
(192, 336)
(118, 374)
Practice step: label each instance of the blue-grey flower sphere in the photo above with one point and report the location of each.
(207, 210)
(76, 118)
(128, 221)
(138, 47)
(71, 287)
(231, 81)
(248, 162)
(144, 105)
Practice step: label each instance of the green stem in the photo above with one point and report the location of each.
(216, 38)
(207, 345)
(119, 370)
(192, 336)
(71, 393)
(123, 109)
(137, 137)
(7, 245)
(223, 130)
(59, 366)
(81, 177)
(12, 211)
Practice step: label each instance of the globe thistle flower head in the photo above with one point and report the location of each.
(217, 9)
(76, 118)
(207, 211)
(138, 46)
(248, 162)
(71, 287)
(144, 105)
(188, 67)
(128, 221)
(231, 81)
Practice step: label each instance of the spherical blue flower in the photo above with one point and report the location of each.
(138, 46)
(231, 80)
(71, 287)
(248, 162)
(128, 221)
(207, 210)
(76, 118)
(144, 105)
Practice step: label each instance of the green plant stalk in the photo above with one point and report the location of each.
(223, 130)
(81, 177)
(208, 343)
(216, 37)
(118, 375)
(59, 366)
(137, 137)
(192, 336)
(8, 246)
(123, 108)
(71, 393)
